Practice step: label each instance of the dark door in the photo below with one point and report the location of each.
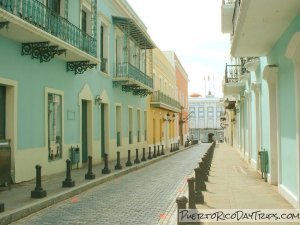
(2, 111)
(102, 130)
(84, 131)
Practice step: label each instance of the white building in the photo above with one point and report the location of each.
(204, 117)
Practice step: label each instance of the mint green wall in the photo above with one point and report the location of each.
(265, 112)
(286, 101)
(33, 77)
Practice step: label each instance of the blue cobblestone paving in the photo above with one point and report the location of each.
(138, 198)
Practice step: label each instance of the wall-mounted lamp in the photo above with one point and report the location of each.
(98, 100)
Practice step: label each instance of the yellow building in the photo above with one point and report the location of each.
(163, 105)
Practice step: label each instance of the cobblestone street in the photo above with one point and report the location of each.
(140, 197)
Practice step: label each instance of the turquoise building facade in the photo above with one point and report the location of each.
(262, 86)
(74, 77)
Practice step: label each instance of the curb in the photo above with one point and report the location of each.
(17, 214)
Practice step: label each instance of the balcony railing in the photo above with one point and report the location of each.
(126, 70)
(37, 14)
(232, 73)
(158, 96)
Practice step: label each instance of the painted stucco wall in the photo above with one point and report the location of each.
(286, 106)
(34, 77)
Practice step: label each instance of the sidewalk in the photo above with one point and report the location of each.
(19, 204)
(233, 184)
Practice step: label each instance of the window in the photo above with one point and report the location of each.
(104, 48)
(138, 112)
(54, 5)
(130, 125)
(54, 126)
(83, 21)
(201, 112)
(210, 112)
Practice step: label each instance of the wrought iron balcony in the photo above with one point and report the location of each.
(132, 79)
(232, 73)
(161, 100)
(38, 21)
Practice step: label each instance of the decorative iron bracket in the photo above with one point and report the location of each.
(41, 50)
(118, 83)
(4, 24)
(79, 67)
(129, 88)
(140, 92)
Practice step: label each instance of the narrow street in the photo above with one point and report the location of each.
(140, 197)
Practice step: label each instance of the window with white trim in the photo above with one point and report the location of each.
(54, 126)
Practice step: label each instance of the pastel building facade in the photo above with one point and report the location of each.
(74, 74)
(182, 80)
(164, 107)
(261, 87)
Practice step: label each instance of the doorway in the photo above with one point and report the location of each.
(84, 132)
(103, 122)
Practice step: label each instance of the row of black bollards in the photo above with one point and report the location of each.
(197, 184)
(174, 147)
(39, 192)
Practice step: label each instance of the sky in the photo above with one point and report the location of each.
(192, 29)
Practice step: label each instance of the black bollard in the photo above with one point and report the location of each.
(118, 166)
(203, 172)
(128, 163)
(199, 198)
(191, 183)
(181, 204)
(158, 152)
(137, 160)
(38, 192)
(149, 154)
(144, 155)
(105, 170)
(171, 148)
(162, 150)
(1, 207)
(90, 175)
(68, 182)
(154, 152)
(199, 183)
